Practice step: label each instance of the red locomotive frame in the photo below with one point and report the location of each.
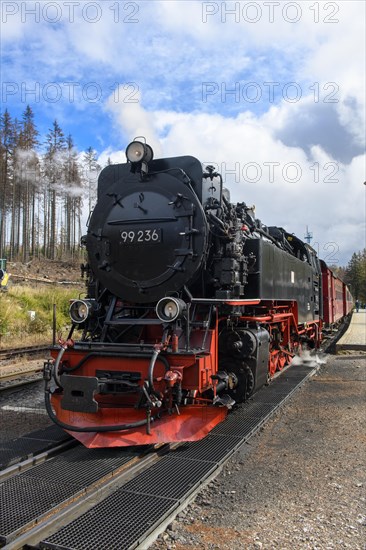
(192, 421)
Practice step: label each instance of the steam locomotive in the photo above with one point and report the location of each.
(192, 304)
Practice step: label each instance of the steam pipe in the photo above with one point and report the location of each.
(150, 374)
(56, 366)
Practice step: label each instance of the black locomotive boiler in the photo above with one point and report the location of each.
(191, 305)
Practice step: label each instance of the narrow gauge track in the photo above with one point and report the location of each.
(15, 382)
(12, 379)
(114, 498)
(64, 486)
(15, 352)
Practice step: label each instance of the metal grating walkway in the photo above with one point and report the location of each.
(27, 496)
(129, 515)
(28, 445)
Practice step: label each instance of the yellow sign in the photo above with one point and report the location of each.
(4, 280)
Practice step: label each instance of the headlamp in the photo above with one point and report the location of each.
(80, 311)
(170, 309)
(137, 151)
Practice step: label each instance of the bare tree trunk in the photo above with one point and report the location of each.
(26, 226)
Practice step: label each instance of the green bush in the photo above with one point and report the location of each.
(4, 317)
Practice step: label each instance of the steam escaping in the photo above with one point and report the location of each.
(27, 166)
(309, 357)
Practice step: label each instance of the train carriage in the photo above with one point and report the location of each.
(337, 299)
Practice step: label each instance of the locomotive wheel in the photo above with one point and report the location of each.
(273, 362)
(249, 380)
(281, 360)
(278, 360)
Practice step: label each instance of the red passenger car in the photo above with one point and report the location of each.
(337, 299)
(347, 300)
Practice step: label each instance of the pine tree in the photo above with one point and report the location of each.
(15, 187)
(29, 178)
(7, 140)
(356, 275)
(72, 198)
(54, 177)
(362, 260)
(91, 172)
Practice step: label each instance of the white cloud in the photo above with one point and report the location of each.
(289, 187)
(132, 119)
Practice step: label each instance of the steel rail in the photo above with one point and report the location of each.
(9, 353)
(18, 381)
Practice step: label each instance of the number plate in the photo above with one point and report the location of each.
(141, 236)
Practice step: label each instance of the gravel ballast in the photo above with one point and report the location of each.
(22, 412)
(299, 483)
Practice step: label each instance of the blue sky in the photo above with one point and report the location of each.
(272, 92)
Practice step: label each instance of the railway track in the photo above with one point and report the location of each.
(13, 383)
(29, 371)
(28, 350)
(118, 498)
(95, 475)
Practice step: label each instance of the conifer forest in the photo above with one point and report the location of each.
(46, 186)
